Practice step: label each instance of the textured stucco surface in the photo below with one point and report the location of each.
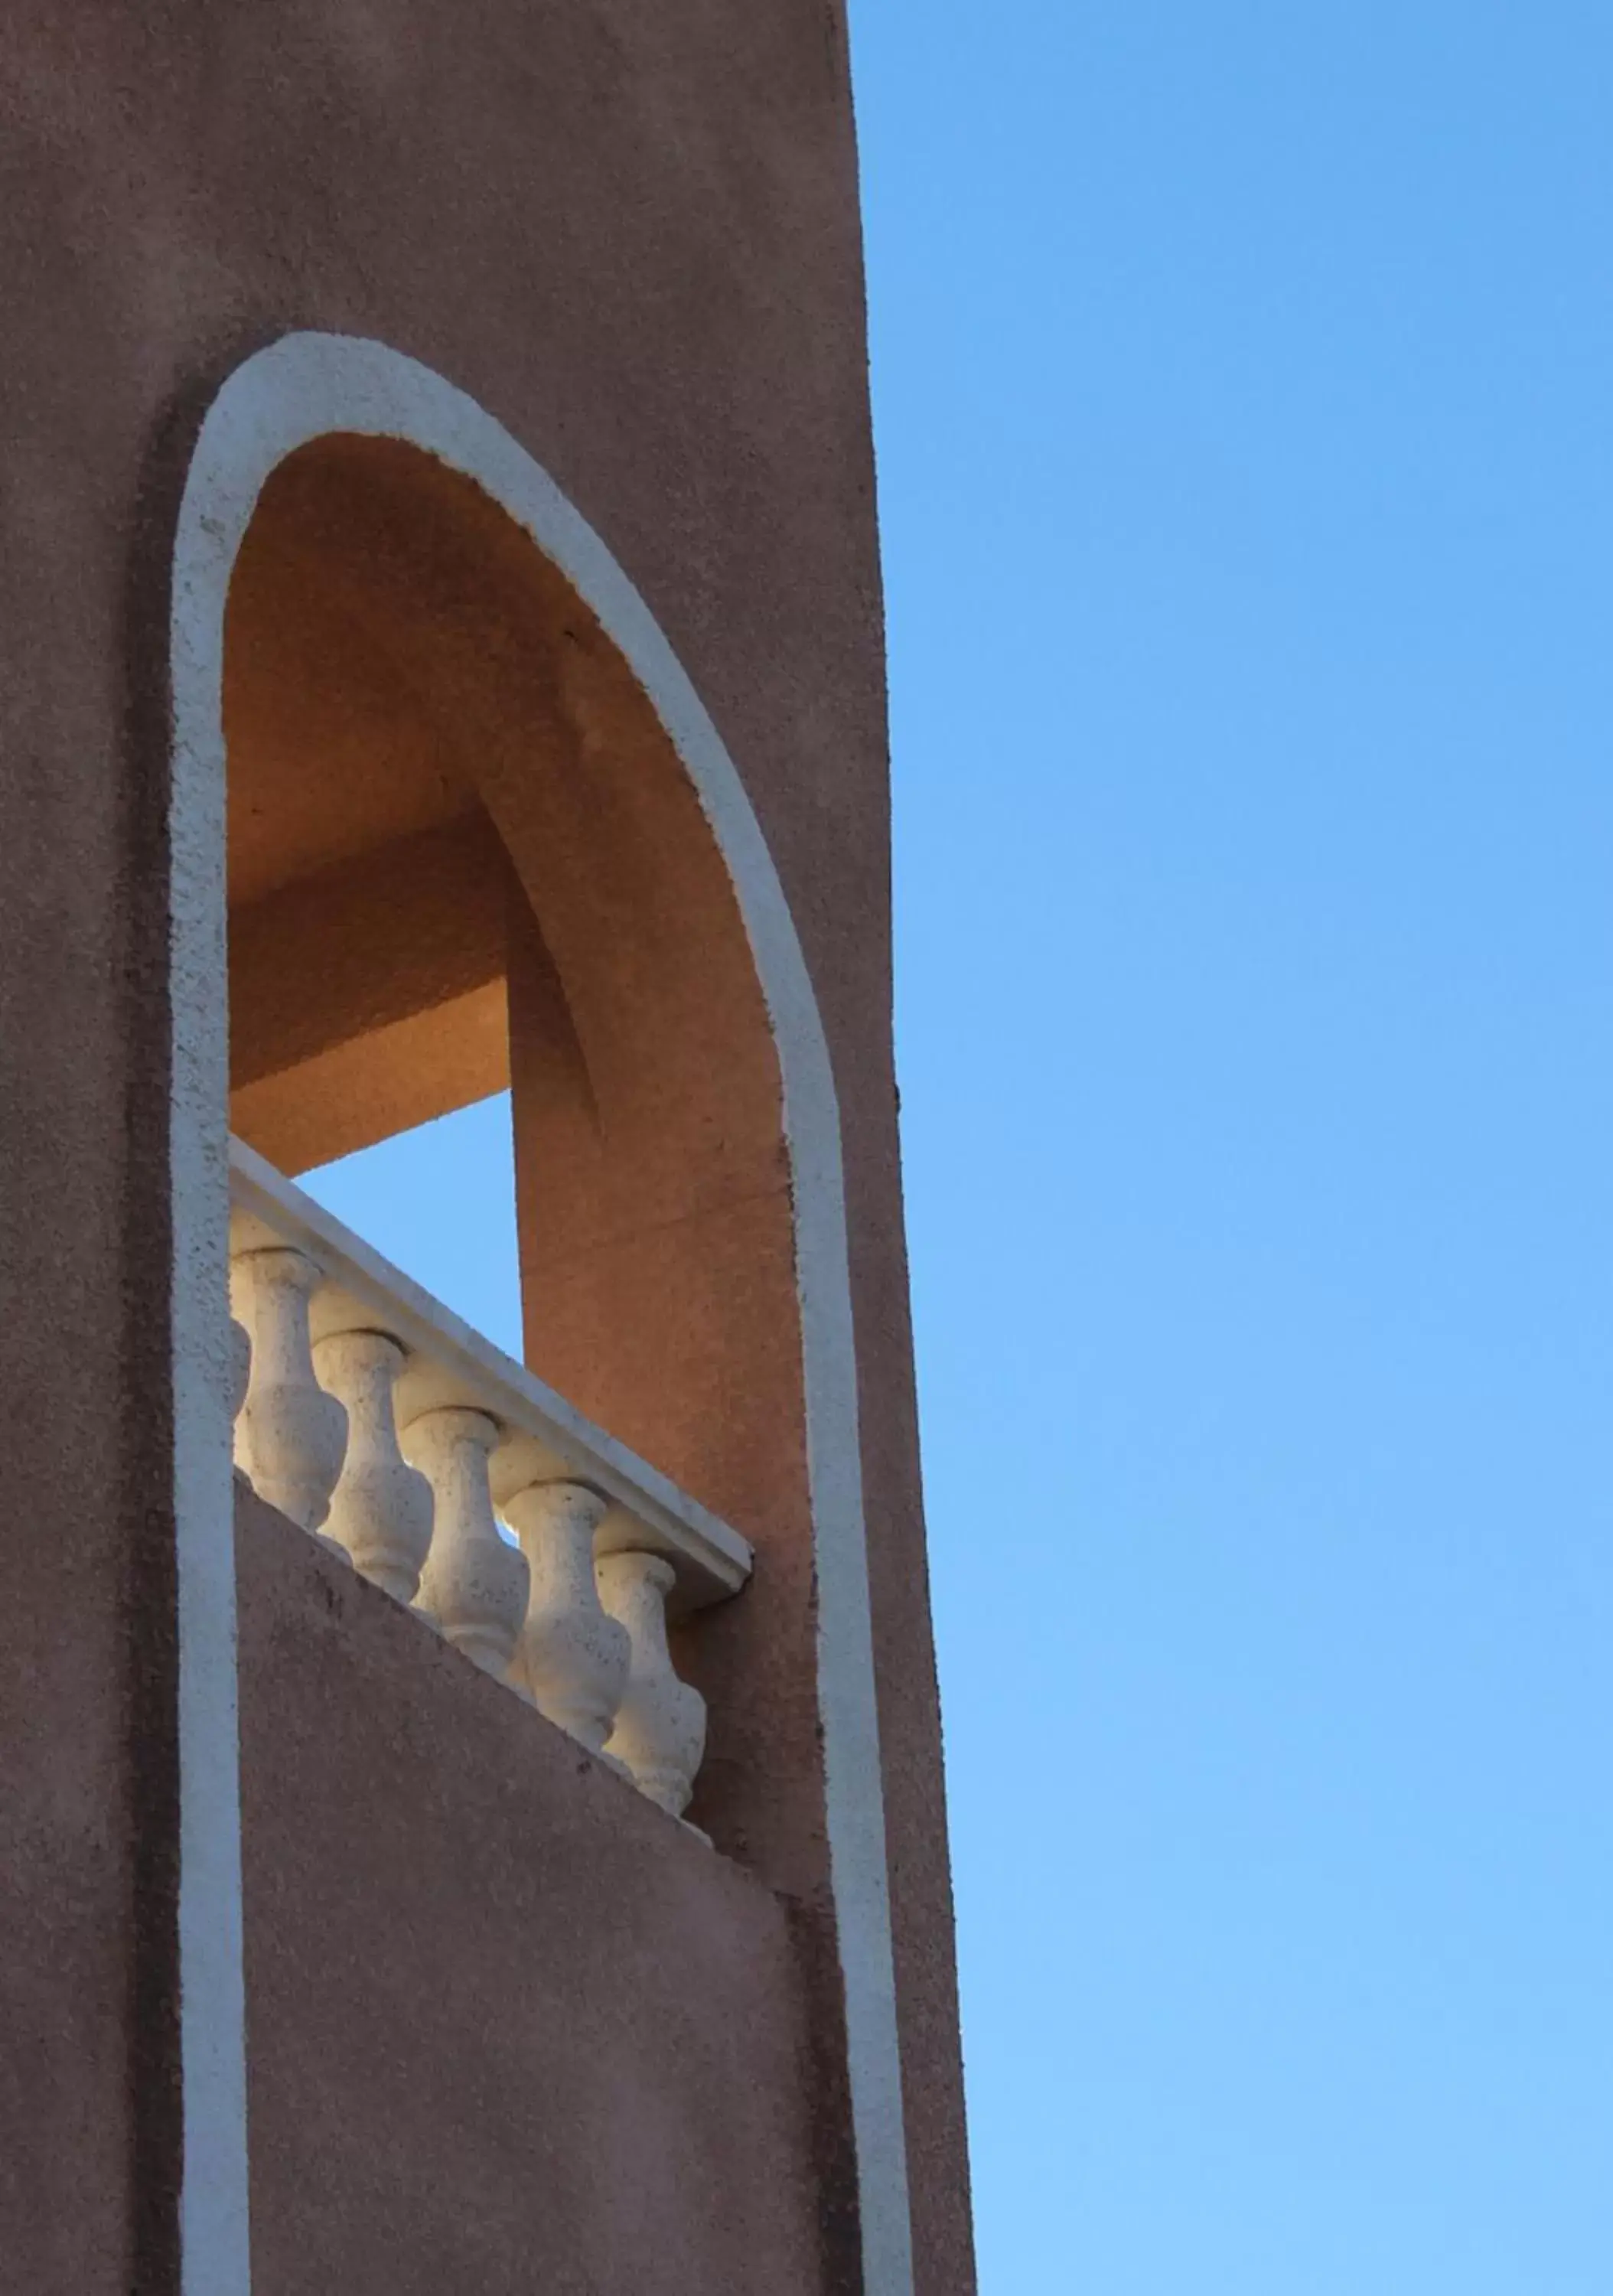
(517, 2029)
(631, 234)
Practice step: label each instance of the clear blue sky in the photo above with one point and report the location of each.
(1244, 388)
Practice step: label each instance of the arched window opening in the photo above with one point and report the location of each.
(484, 833)
(464, 860)
(676, 1124)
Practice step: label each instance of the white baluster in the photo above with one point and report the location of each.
(660, 1725)
(473, 1588)
(382, 1510)
(575, 1657)
(290, 1435)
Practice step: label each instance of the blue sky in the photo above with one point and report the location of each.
(1243, 381)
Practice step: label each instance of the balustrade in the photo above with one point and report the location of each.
(397, 1436)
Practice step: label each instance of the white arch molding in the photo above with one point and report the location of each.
(298, 389)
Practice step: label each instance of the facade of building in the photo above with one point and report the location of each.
(444, 653)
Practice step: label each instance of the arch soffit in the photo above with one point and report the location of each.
(298, 389)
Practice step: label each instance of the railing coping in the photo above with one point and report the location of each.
(543, 1438)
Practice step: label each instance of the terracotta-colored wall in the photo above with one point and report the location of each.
(630, 232)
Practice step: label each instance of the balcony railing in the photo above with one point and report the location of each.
(373, 1417)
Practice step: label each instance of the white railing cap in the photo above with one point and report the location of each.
(543, 1438)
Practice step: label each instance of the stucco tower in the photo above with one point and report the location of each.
(465, 1823)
